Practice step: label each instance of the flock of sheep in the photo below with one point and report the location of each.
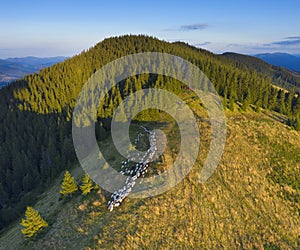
(134, 171)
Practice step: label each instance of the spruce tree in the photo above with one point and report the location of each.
(69, 184)
(32, 223)
(87, 184)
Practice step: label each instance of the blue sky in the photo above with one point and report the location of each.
(65, 27)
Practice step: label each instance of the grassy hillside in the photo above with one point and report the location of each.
(32, 154)
(242, 206)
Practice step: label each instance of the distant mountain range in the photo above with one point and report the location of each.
(288, 61)
(15, 68)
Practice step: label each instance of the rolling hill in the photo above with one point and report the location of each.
(250, 202)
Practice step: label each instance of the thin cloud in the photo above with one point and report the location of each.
(202, 44)
(288, 41)
(190, 27)
(198, 26)
(292, 37)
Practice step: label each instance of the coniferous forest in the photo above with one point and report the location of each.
(36, 112)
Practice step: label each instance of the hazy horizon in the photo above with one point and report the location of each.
(71, 55)
(65, 28)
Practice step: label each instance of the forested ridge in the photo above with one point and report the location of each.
(280, 76)
(36, 112)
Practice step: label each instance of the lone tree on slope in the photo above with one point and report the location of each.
(32, 223)
(69, 185)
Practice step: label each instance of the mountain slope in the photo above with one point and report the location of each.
(280, 76)
(36, 111)
(240, 207)
(15, 68)
(281, 59)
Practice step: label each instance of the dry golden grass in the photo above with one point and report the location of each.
(239, 207)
